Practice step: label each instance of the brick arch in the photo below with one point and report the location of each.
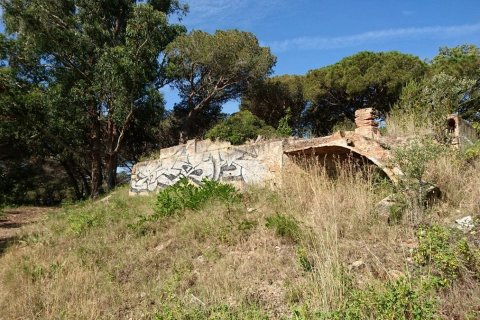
(341, 150)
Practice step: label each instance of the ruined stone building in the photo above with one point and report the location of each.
(263, 162)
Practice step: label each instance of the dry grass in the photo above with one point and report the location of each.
(404, 123)
(94, 260)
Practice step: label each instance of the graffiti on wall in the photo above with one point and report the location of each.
(221, 165)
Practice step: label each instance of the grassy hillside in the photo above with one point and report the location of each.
(314, 248)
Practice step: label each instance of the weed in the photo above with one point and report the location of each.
(401, 299)
(305, 261)
(472, 152)
(284, 226)
(183, 195)
(413, 191)
(79, 223)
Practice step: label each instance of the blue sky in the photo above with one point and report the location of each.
(308, 34)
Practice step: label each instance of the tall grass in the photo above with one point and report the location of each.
(407, 123)
(297, 251)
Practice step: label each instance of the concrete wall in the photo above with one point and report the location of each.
(258, 163)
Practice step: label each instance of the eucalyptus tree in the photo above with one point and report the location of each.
(211, 69)
(101, 65)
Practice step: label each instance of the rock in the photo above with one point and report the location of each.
(465, 224)
(163, 246)
(250, 210)
(384, 207)
(356, 264)
(395, 274)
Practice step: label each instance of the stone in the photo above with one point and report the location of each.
(384, 208)
(395, 274)
(356, 265)
(163, 246)
(465, 224)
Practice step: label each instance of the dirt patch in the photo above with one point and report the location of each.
(13, 219)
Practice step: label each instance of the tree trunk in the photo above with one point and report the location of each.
(68, 166)
(111, 171)
(96, 157)
(186, 129)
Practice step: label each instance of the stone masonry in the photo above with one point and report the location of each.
(263, 162)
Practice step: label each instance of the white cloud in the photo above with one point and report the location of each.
(321, 43)
(233, 13)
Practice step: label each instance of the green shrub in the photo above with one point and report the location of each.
(472, 152)
(215, 312)
(402, 299)
(284, 226)
(445, 253)
(284, 129)
(79, 223)
(435, 252)
(414, 158)
(184, 195)
(412, 194)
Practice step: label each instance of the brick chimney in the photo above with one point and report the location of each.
(365, 122)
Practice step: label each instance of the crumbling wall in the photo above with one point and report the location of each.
(461, 132)
(262, 163)
(365, 123)
(196, 160)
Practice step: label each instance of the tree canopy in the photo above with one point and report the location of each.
(211, 69)
(240, 127)
(95, 66)
(276, 98)
(366, 79)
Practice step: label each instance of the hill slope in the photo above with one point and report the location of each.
(315, 248)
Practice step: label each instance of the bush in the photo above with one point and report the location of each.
(413, 193)
(435, 252)
(401, 299)
(184, 195)
(473, 152)
(445, 254)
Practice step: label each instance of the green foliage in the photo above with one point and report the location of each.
(276, 100)
(284, 129)
(434, 251)
(210, 69)
(472, 152)
(366, 79)
(428, 102)
(216, 312)
(408, 299)
(184, 195)
(284, 226)
(83, 221)
(240, 127)
(305, 261)
(445, 253)
(412, 195)
(461, 61)
(414, 158)
(86, 76)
